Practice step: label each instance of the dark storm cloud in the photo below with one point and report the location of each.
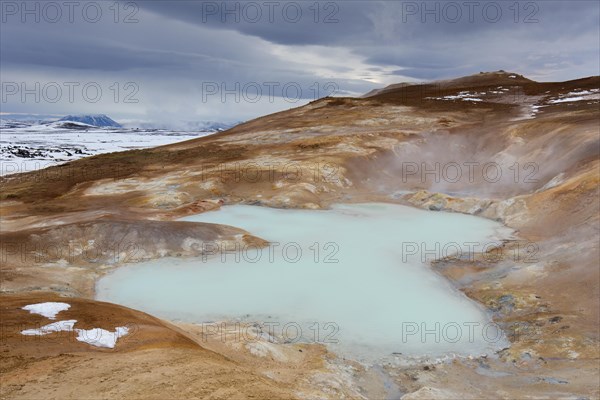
(281, 22)
(96, 56)
(174, 48)
(356, 22)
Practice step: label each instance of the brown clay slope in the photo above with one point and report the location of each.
(154, 361)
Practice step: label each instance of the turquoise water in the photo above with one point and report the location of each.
(355, 277)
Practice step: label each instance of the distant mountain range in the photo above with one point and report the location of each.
(203, 126)
(103, 121)
(98, 120)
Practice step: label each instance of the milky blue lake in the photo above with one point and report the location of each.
(356, 277)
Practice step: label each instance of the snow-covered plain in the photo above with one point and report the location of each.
(30, 146)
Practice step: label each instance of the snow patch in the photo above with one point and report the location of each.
(51, 328)
(95, 337)
(101, 337)
(536, 108)
(577, 95)
(48, 309)
(464, 96)
(566, 99)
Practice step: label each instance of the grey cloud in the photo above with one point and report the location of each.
(175, 48)
(281, 22)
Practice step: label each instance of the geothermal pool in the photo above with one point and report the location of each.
(355, 277)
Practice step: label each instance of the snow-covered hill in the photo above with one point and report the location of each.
(99, 120)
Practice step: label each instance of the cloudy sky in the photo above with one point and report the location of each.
(171, 63)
